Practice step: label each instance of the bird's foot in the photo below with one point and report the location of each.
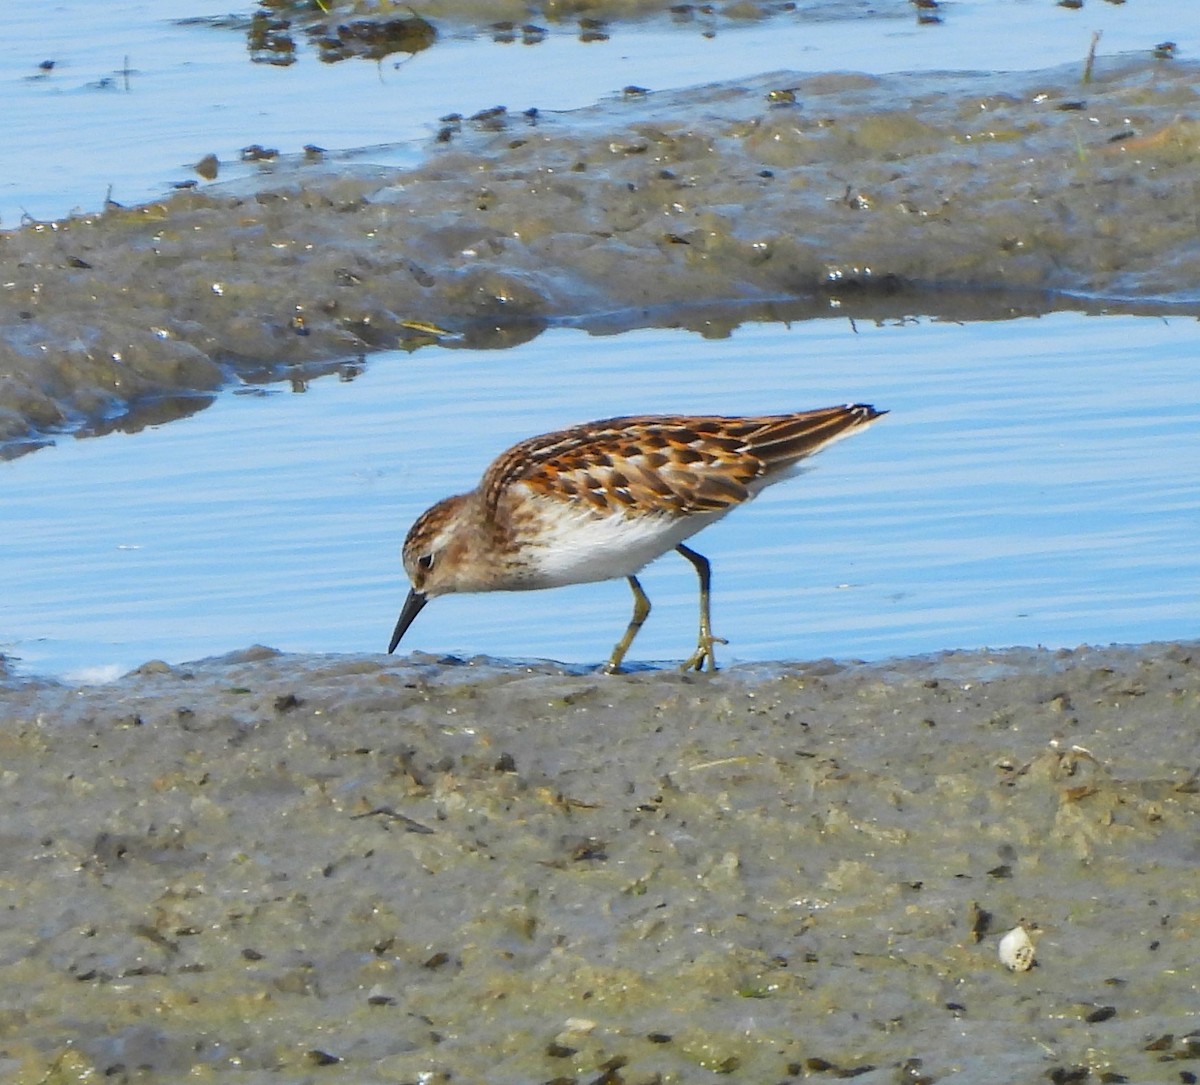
(703, 658)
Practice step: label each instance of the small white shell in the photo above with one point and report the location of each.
(1016, 950)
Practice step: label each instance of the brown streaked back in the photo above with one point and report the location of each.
(672, 464)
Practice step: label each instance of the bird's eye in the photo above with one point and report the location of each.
(425, 561)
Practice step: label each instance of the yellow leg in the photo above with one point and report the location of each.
(704, 647)
(641, 608)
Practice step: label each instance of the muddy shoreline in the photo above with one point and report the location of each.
(370, 869)
(873, 195)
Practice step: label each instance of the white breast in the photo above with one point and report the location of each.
(574, 546)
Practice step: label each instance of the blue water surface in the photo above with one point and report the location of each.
(1036, 482)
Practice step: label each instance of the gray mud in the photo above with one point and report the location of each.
(377, 870)
(877, 193)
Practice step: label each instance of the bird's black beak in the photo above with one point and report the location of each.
(412, 607)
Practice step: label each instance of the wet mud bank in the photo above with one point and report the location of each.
(371, 869)
(795, 188)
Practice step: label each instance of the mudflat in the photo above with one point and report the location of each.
(789, 187)
(397, 870)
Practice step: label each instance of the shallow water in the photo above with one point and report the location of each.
(1037, 482)
(136, 95)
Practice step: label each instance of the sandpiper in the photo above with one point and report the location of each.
(604, 499)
